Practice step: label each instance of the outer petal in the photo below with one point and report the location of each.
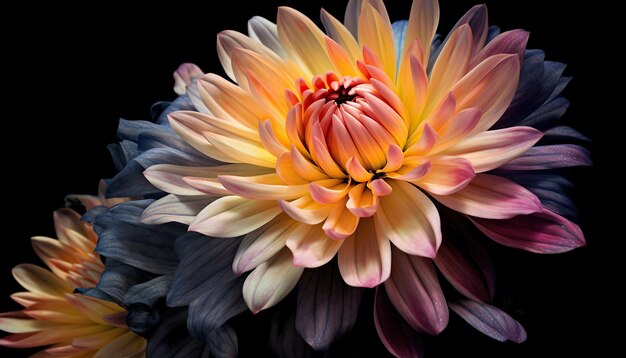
(410, 220)
(491, 149)
(492, 197)
(490, 321)
(271, 282)
(543, 232)
(397, 336)
(465, 263)
(365, 257)
(414, 290)
(327, 307)
(447, 175)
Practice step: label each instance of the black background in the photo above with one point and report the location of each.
(72, 72)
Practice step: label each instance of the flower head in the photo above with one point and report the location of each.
(70, 324)
(378, 144)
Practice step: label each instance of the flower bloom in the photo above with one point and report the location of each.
(73, 325)
(369, 143)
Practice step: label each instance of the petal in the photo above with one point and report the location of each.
(422, 25)
(38, 280)
(327, 308)
(262, 244)
(451, 65)
(303, 40)
(310, 246)
(263, 187)
(266, 32)
(305, 210)
(397, 336)
(126, 345)
(173, 208)
(323, 193)
(447, 175)
(362, 202)
(492, 197)
(550, 157)
(242, 151)
(510, 42)
(489, 150)
(340, 223)
(414, 291)
(542, 232)
(465, 263)
(223, 99)
(410, 220)
(376, 34)
(270, 282)
(338, 32)
(365, 257)
(489, 87)
(233, 216)
(490, 320)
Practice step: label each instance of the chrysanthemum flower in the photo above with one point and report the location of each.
(361, 144)
(71, 324)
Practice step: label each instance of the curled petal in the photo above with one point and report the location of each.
(447, 175)
(542, 232)
(271, 281)
(341, 222)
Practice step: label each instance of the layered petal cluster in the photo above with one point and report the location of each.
(372, 153)
(70, 324)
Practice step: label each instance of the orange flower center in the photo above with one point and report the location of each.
(351, 116)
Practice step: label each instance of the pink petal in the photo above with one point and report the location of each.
(492, 197)
(410, 220)
(397, 336)
(262, 187)
(489, 87)
(489, 150)
(365, 257)
(414, 291)
(362, 202)
(340, 223)
(465, 263)
(543, 232)
(262, 244)
(447, 175)
(310, 246)
(510, 42)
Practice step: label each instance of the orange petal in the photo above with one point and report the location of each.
(340, 223)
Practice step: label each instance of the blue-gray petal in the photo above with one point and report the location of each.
(147, 247)
(172, 340)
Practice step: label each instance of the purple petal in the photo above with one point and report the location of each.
(397, 336)
(465, 263)
(550, 157)
(510, 42)
(490, 321)
(414, 290)
(327, 307)
(476, 18)
(544, 232)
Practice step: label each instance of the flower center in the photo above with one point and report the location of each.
(351, 116)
